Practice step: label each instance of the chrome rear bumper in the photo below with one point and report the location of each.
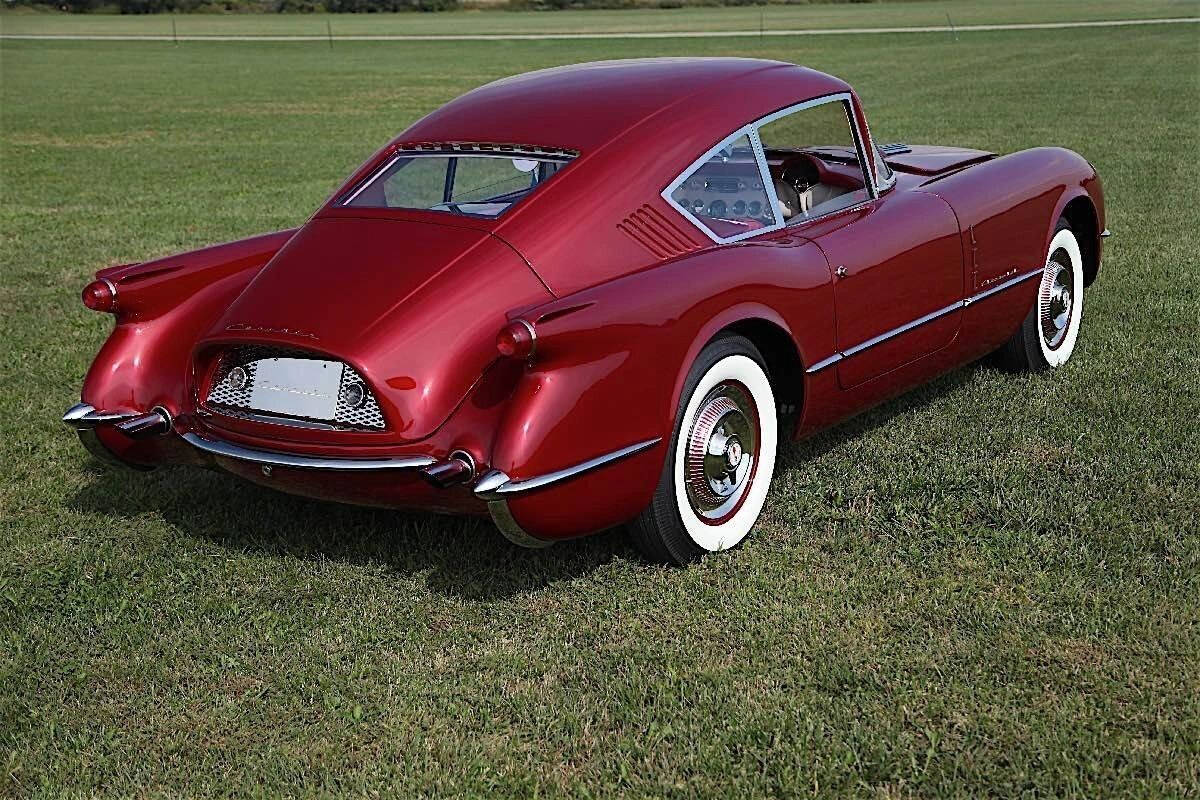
(271, 458)
(494, 488)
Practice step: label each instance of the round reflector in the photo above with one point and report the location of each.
(100, 295)
(516, 339)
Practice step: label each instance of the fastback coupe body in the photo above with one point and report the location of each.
(595, 295)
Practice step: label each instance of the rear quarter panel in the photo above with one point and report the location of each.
(162, 307)
(611, 364)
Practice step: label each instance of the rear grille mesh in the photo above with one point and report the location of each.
(222, 393)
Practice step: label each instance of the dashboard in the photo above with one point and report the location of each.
(725, 196)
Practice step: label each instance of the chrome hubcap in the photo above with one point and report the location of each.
(1055, 302)
(722, 447)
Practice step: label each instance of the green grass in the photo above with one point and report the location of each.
(988, 587)
(814, 16)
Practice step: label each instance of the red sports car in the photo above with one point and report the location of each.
(595, 295)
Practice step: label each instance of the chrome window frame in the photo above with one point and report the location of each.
(751, 130)
(562, 158)
(880, 186)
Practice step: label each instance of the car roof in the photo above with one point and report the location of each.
(584, 106)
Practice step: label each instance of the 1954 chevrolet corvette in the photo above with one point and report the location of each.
(595, 295)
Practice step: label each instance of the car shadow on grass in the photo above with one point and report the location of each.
(460, 556)
(880, 416)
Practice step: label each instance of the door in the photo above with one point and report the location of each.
(897, 258)
(898, 283)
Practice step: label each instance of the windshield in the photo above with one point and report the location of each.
(477, 183)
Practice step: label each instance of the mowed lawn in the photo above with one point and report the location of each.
(989, 586)
(799, 16)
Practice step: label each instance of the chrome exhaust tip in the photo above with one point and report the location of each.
(458, 468)
(156, 423)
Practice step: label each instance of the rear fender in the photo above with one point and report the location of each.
(610, 365)
(162, 307)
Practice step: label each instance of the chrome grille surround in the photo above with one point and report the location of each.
(224, 398)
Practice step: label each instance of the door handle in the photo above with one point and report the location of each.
(841, 272)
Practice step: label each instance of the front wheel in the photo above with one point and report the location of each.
(715, 480)
(1046, 338)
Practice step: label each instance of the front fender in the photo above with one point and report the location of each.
(611, 362)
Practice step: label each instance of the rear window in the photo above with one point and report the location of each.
(475, 183)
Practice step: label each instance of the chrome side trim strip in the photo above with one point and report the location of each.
(825, 362)
(908, 326)
(1000, 287)
(496, 485)
(275, 459)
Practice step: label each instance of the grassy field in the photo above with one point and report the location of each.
(988, 587)
(792, 17)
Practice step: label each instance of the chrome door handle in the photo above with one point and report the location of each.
(841, 272)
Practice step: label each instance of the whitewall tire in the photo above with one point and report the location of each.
(722, 457)
(1060, 299)
(1047, 336)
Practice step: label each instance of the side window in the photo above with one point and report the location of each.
(814, 161)
(726, 194)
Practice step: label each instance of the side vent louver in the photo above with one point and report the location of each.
(656, 233)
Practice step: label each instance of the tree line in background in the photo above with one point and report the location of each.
(365, 6)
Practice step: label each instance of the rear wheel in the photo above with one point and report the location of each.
(722, 455)
(1046, 338)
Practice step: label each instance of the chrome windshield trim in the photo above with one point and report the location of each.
(275, 459)
(930, 317)
(496, 484)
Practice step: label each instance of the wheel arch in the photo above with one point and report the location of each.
(1079, 210)
(785, 367)
(767, 330)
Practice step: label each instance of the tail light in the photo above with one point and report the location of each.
(516, 340)
(100, 295)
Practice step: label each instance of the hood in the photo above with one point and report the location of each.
(414, 307)
(924, 159)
